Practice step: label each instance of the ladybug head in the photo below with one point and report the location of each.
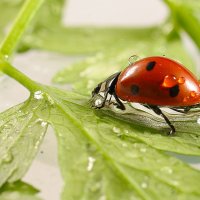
(96, 90)
(106, 86)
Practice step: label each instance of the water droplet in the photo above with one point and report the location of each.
(144, 185)
(169, 81)
(91, 162)
(181, 80)
(38, 95)
(133, 59)
(124, 145)
(98, 102)
(167, 170)
(175, 182)
(6, 57)
(7, 158)
(43, 124)
(126, 131)
(116, 130)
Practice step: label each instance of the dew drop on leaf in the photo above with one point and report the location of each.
(6, 57)
(91, 162)
(116, 130)
(144, 185)
(143, 150)
(102, 197)
(167, 170)
(38, 95)
(124, 144)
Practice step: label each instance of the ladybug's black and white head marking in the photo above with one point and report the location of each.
(101, 91)
(106, 86)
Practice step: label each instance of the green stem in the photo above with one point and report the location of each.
(11, 71)
(186, 19)
(27, 12)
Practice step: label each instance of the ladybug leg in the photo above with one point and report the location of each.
(180, 110)
(157, 110)
(120, 104)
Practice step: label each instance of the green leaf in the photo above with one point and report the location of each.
(85, 75)
(50, 13)
(186, 15)
(8, 10)
(102, 157)
(18, 191)
(21, 133)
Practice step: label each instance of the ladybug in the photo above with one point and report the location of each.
(153, 82)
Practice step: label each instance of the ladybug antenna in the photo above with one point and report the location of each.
(132, 59)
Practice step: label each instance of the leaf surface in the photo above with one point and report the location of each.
(21, 133)
(18, 191)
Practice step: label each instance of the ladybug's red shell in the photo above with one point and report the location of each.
(158, 81)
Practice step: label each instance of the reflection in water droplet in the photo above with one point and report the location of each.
(98, 102)
(144, 185)
(38, 95)
(181, 80)
(91, 162)
(169, 81)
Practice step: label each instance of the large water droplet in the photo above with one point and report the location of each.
(91, 162)
(169, 81)
(116, 130)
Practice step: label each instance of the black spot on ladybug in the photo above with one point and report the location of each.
(150, 65)
(173, 92)
(135, 89)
